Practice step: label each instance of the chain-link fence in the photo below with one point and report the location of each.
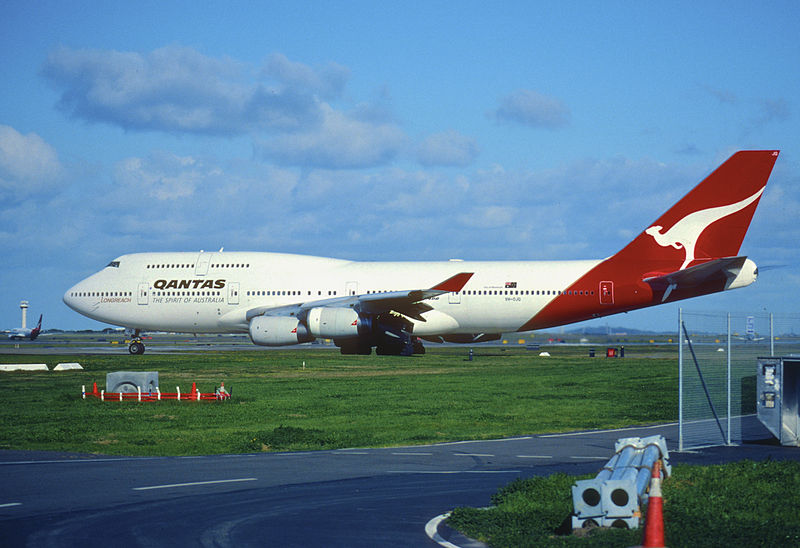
(717, 371)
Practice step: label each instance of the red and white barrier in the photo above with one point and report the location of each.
(219, 394)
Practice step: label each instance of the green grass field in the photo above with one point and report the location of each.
(368, 401)
(740, 504)
(335, 401)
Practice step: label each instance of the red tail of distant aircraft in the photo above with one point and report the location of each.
(282, 299)
(21, 333)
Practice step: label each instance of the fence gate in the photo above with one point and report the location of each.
(717, 359)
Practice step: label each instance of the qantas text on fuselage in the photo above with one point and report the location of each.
(283, 299)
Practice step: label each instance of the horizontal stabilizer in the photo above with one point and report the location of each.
(727, 268)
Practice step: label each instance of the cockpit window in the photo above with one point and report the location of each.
(113, 264)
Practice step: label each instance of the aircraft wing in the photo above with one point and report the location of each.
(409, 303)
(726, 268)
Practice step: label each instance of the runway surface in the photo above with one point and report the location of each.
(358, 497)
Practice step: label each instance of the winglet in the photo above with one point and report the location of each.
(455, 283)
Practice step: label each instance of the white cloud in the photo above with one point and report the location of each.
(178, 89)
(339, 142)
(724, 96)
(161, 177)
(447, 149)
(533, 109)
(328, 81)
(774, 110)
(489, 216)
(27, 163)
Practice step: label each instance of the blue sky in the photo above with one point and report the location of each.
(384, 131)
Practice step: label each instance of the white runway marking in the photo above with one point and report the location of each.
(10, 504)
(590, 432)
(503, 440)
(190, 484)
(77, 461)
(445, 472)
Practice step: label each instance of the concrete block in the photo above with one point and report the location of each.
(23, 367)
(67, 366)
(127, 381)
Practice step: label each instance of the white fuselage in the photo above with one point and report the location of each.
(212, 292)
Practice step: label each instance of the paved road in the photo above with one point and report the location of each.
(370, 497)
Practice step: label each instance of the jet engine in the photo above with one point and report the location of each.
(329, 323)
(278, 331)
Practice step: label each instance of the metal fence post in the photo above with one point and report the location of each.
(771, 337)
(728, 440)
(680, 380)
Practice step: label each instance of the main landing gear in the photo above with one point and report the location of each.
(136, 347)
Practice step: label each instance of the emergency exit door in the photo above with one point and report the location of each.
(606, 292)
(233, 293)
(144, 289)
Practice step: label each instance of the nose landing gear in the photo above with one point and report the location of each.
(136, 347)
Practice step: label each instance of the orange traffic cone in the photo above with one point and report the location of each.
(654, 522)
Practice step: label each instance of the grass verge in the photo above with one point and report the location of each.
(741, 504)
(319, 399)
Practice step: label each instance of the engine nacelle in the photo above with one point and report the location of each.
(278, 331)
(747, 275)
(332, 322)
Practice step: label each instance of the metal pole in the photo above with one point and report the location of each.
(703, 382)
(771, 337)
(680, 380)
(729, 379)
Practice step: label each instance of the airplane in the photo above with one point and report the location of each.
(750, 334)
(21, 333)
(285, 299)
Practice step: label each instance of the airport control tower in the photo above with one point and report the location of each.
(24, 307)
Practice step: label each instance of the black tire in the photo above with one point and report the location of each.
(364, 349)
(348, 348)
(136, 348)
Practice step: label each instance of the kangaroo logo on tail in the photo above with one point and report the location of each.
(685, 233)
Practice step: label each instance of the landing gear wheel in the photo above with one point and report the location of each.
(356, 347)
(136, 348)
(364, 349)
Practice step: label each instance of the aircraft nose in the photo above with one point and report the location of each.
(75, 297)
(69, 297)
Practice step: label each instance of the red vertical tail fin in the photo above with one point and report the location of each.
(36, 330)
(689, 251)
(710, 222)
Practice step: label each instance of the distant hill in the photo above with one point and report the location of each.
(608, 330)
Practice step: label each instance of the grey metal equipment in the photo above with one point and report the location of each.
(777, 395)
(613, 497)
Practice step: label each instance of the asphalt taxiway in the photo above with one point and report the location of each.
(356, 497)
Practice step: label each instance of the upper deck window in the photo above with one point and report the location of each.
(113, 264)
